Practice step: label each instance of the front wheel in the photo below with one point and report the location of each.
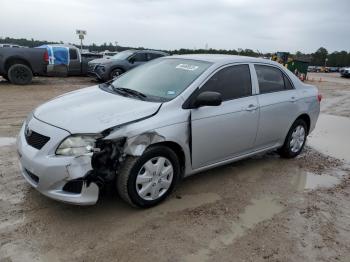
(147, 180)
(115, 73)
(295, 140)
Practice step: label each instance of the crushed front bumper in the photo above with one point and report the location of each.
(49, 173)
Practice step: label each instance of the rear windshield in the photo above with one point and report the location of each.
(162, 78)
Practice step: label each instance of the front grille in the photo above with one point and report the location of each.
(32, 176)
(35, 139)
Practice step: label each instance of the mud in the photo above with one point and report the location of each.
(260, 209)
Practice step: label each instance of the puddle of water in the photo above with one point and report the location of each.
(307, 180)
(7, 141)
(260, 210)
(316, 181)
(332, 136)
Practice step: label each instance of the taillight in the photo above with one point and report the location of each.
(319, 97)
(46, 57)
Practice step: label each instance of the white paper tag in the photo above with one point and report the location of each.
(187, 67)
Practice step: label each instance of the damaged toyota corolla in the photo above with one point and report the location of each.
(162, 121)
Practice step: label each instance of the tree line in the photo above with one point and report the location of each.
(320, 57)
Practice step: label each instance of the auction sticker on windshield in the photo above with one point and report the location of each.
(187, 67)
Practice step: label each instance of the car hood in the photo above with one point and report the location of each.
(92, 110)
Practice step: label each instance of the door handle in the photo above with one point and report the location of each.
(251, 107)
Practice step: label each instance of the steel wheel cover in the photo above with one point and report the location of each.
(154, 178)
(298, 139)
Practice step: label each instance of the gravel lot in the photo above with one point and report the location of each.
(260, 209)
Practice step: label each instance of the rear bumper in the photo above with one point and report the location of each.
(49, 173)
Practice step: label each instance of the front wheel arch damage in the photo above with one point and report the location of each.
(109, 156)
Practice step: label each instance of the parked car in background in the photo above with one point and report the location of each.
(162, 121)
(18, 65)
(108, 68)
(67, 60)
(311, 69)
(11, 45)
(333, 69)
(345, 72)
(108, 53)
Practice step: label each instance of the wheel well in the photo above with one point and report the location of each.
(15, 60)
(306, 119)
(178, 151)
(117, 67)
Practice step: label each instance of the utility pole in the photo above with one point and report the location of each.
(81, 34)
(116, 46)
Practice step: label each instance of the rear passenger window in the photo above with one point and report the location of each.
(271, 79)
(287, 83)
(152, 56)
(73, 54)
(232, 82)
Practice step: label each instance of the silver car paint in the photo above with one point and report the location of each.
(264, 121)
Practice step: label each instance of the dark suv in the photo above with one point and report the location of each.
(106, 69)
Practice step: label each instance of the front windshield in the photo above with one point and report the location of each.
(162, 78)
(123, 55)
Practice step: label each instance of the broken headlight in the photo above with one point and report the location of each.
(77, 145)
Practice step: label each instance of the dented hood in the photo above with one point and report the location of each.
(92, 110)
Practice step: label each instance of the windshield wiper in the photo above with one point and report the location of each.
(129, 91)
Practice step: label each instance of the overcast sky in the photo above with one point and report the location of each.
(264, 25)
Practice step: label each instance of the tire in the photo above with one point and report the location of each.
(133, 169)
(115, 73)
(298, 132)
(20, 74)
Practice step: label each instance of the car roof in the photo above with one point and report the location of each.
(149, 51)
(218, 58)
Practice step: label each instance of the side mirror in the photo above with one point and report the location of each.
(208, 98)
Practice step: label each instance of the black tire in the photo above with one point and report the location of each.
(115, 73)
(126, 181)
(20, 74)
(286, 150)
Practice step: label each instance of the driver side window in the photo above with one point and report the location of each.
(232, 82)
(140, 57)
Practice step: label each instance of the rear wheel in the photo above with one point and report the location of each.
(295, 140)
(20, 74)
(147, 180)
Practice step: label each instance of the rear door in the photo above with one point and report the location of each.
(151, 56)
(277, 100)
(222, 132)
(74, 67)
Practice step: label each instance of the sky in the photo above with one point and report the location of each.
(264, 25)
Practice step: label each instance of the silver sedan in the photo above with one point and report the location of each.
(162, 121)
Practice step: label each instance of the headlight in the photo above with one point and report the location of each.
(29, 117)
(77, 145)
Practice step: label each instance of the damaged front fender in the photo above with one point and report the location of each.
(135, 146)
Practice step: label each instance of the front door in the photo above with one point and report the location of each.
(138, 59)
(223, 132)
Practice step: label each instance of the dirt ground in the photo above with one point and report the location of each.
(261, 209)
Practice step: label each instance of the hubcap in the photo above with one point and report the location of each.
(154, 178)
(298, 138)
(116, 74)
